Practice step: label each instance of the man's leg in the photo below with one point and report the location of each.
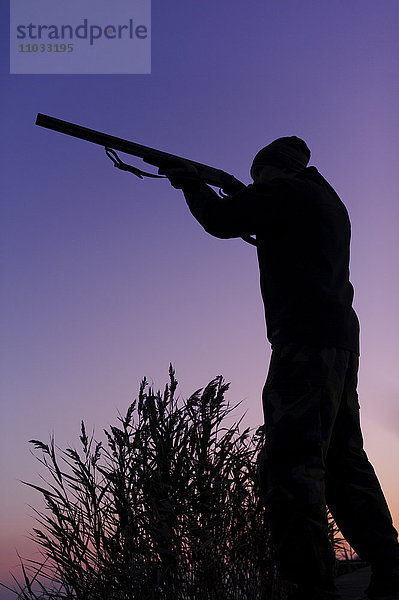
(300, 402)
(353, 492)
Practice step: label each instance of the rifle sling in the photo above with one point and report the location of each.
(125, 167)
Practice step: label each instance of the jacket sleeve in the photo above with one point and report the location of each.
(246, 213)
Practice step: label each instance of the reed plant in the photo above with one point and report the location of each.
(166, 507)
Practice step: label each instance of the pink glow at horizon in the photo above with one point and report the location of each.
(107, 279)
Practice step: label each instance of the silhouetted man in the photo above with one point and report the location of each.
(313, 453)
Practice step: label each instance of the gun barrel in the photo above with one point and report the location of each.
(149, 155)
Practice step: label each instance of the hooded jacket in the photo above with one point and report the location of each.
(303, 232)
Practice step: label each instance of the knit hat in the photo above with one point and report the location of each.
(289, 152)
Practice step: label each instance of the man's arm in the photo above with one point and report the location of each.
(221, 217)
(230, 217)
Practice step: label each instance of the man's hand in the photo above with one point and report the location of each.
(180, 173)
(230, 185)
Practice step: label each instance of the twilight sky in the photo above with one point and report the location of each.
(106, 278)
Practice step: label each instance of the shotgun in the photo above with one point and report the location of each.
(227, 183)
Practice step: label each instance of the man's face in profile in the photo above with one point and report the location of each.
(266, 173)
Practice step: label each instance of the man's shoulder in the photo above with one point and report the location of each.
(307, 188)
(312, 176)
(312, 181)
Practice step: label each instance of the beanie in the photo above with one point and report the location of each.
(289, 152)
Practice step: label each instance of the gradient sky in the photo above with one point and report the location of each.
(106, 278)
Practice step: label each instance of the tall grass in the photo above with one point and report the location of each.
(168, 507)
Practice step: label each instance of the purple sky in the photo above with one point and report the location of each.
(106, 278)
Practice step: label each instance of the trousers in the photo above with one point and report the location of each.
(313, 457)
